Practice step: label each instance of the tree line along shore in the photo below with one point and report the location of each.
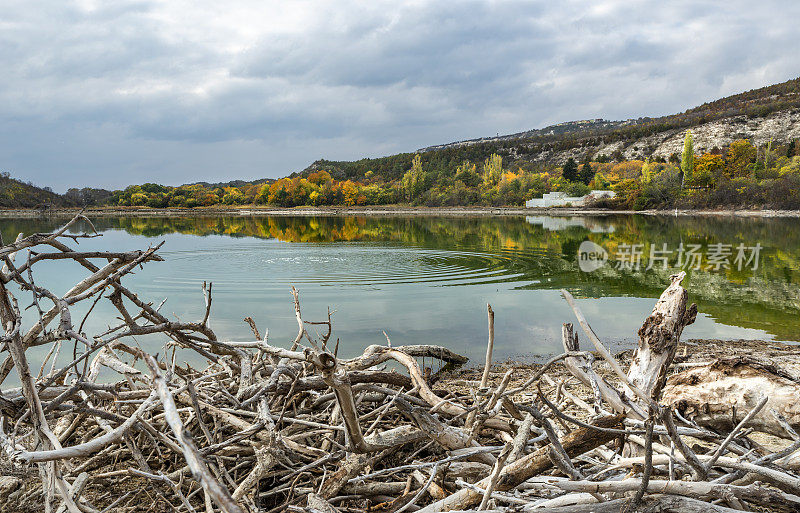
(739, 176)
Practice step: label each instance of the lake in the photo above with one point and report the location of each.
(428, 279)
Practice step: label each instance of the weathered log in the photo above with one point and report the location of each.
(658, 338)
(449, 437)
(695, 490)
(349, 468)
(721, 393)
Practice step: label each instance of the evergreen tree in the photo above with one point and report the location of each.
(570, 170)
(586, 174)
(687, 159)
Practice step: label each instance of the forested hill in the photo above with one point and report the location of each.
(17, 194)
(761, 115)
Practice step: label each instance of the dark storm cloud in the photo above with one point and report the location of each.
(178, 91)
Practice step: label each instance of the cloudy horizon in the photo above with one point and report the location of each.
(173, 92)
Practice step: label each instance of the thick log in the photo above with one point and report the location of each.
(720, 394)
(658, 338)
(696, 490)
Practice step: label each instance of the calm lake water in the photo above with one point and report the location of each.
(428, 279)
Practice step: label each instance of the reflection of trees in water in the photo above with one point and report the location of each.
(780, 238)
(769, 305)
(767, 298)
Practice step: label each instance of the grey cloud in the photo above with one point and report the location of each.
(180, 91)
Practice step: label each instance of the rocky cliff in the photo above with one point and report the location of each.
(767, 114)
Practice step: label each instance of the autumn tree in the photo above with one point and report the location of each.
(232, 196)
(280, 192)
(351, 193)
(319, 177)
(740, 158)
(492, 169)
(707, 169)
(647, 173)
(414, 179)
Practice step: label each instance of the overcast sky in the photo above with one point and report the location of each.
(107, 94)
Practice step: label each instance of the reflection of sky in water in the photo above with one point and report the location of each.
(413, 292)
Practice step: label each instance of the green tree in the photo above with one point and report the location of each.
(687, 159)
(467, 174)
(586, 174)
(570, 170)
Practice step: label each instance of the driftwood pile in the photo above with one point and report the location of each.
(266, 428)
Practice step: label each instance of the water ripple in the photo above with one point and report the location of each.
(352, 264)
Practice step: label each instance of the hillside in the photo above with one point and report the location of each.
(18, 194)
(739, 108)
(760, 115)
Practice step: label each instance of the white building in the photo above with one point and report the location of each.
(560, 199)
(554, 224)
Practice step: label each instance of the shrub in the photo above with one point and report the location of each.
(576, 189)
(139, 199)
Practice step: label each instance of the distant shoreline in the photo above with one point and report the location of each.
(380, 210)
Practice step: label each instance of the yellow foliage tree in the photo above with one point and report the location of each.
(740, 159)
(350, 192)
(414, 180)
(707, 169)
(492, 169)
